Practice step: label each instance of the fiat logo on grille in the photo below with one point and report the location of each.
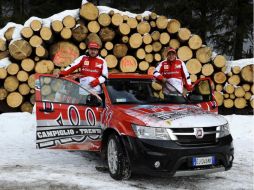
(199, 133)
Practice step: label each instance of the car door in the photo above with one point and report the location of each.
(202, 95)
(67, 115)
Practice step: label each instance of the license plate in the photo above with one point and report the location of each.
(203, 161)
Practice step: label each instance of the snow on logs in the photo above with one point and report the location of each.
(129, 43)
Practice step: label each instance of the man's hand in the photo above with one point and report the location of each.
(94, 83)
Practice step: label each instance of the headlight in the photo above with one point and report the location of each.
(157, 133)
(224, 130)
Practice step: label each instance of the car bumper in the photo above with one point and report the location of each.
(171, 159)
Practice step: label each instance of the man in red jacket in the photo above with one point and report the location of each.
(93, 68)
(173, 71)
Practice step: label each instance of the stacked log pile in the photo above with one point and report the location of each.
(128, 44)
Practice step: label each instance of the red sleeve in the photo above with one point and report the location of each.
(72, 67)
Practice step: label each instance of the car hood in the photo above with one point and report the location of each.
(172, 116)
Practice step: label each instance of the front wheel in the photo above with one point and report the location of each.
(117, 160)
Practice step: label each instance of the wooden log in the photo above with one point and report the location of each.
(4, 54)
(153, 16)
(143, 27)
(229, 88)
(12, 69)
(93, 26)
(151, 70)
(139, 18)
(111, 61)
(232, 96)
(147, 38)
(120, 50)
(128, 64)
(204, 88)
(247, 73)
(36, 25)
(132, 22)
(140, 53)
(103, 52)
(174, 43)
(109, 46)
(93, 37)
(143, 66)
(63, 53)
(162, 22)
(204, 54)
(3, 94)
(219, 98)
(173, 26)
(193, 77)
(195, 42)
(125, 39)
(117, 19)
(156, 86)
(252, 103)
(111, 13)
(24, 89)
(125, 18)
(193, 66)
(135, 40)
(184, 34)
(229, 74)
(26, 32)
(157, 57)
(36, 58)
(79, 33)
(239, 92)
(22, 76)
(247, 95)
(44, 66)
(184, 53)
(104, 19)
(218, 87)
(156, 46)
(207, 69)
(107, 34)
(234, 80)
(155, 35)
(32, 99)
(26, 107)
(41, 52)
(3, 73)
(11, 83)
(228, 103)
(89, 11)
(8, 33)
(164, 38)
(236, 70)
(27, 64)
(219, 61)
(148, 48)
(3, 46)
(57, 26)
(69, 21)
(152, 24)
(219, 77)
(223, 69)
(240, 103)
(14, 99)
(149, 58)
(20, 49)
(124, 29)
(46, 34)
(66, 33)
(35, 41)
(246, 87)
(252, 89)
(226, 96)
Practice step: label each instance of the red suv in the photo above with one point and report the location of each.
(135, 127)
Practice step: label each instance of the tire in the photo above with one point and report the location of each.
(117, 160)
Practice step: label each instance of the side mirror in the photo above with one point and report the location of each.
(92, 101)
(195, 98)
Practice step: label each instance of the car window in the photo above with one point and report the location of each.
(59, 90)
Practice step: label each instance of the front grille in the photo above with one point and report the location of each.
(186, 136)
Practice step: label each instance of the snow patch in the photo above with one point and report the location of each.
(241, 63)
(4, 63)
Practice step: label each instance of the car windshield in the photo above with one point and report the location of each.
(142, 91)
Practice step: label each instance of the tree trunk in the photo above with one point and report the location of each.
(128, 64)
(20, 49)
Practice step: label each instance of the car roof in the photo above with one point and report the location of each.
(129, 75)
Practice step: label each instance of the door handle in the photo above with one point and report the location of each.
(46, 110)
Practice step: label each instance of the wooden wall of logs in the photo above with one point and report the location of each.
(129, 44)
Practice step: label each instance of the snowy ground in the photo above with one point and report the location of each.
(24, 167)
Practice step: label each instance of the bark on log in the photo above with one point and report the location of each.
(79, 33)
(207, 69)
(4, 54)
(234, 80)
(20, 49)
(128, 64)
(120, 50)
(162, 22)
(124, 29)
(57, 26)
(184, 34)
(12, 69)
(69, 21)
(204, 54)
(247, 73)
(14, 99)
(63, 53)
(219, 77)
(184, 53)
(22, 76)
(44, 66)
(26, 32)
(195, 42)
(143, 66)
(219, 61)
(3, 94)
(89, 11)
(173, 26)
(11, 83)
(111, 61)
(219, 98)
(135, 40)
(117, 19)
(193, 66)
(143, 27)
(93, 26)
(24, 89)
(3, 73)
(104, 19)
(36, 25)
(107, 34)
(240, 103)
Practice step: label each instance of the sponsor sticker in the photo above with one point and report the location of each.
(86, 63)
